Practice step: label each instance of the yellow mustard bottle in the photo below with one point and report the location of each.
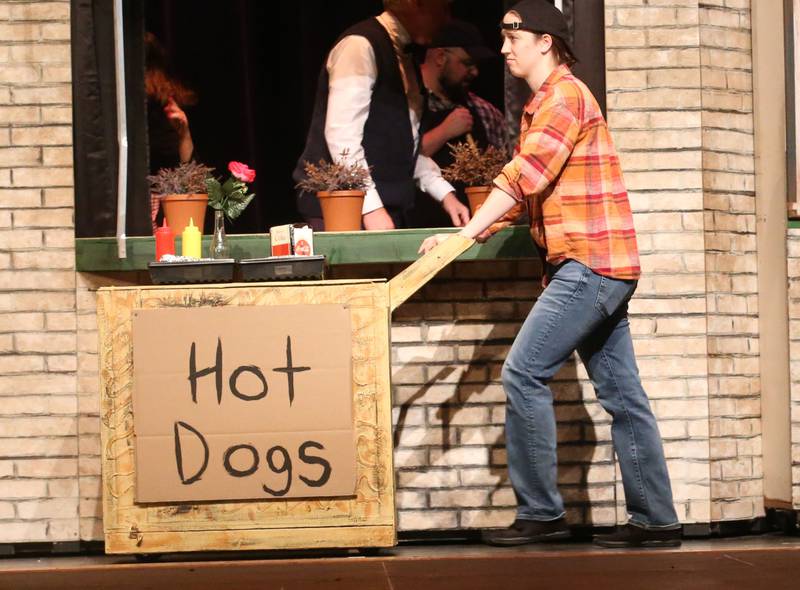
(190, 240)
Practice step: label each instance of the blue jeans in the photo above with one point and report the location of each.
(582, 310)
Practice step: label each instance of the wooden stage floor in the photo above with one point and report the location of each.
(769, 562)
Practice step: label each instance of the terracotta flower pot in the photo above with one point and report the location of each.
(179, 208)
(341, 210)
(477, 195)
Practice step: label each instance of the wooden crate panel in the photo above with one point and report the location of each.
(368, 519)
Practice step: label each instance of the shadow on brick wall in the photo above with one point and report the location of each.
(577, 440)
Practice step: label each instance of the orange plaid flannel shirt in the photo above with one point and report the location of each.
(567, 174)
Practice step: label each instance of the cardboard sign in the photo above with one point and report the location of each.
(243, 403)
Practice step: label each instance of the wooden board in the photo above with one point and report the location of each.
(423, 270)
(368, 520)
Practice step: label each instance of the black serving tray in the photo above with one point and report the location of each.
(282, 268)
(201, 271)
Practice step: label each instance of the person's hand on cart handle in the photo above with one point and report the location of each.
(496, 205)
(431, 242)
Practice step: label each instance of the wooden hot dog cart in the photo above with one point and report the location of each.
(283, 440)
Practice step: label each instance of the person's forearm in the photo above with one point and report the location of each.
(433, 141)
(428, 177)
(185, 147)
(496, 205)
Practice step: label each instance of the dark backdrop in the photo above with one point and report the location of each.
(254, 65)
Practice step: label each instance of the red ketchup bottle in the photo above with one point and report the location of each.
(165, 241)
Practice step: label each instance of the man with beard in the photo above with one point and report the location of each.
(454, 113)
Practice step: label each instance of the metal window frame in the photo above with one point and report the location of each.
(122, 131)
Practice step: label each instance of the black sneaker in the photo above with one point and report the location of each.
(528, 531)
(635, 536)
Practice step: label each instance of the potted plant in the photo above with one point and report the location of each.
(476, 168)
(182, 193)
(340, 187)
(228, 200)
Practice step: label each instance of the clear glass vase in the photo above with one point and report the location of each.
(219, 243)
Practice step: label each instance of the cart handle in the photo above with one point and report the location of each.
(425, 268)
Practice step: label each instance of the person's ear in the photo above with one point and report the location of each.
(545, 43)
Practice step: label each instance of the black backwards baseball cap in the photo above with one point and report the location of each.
(540, 16)
(458, 33)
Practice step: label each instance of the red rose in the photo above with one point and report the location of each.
(242, 171)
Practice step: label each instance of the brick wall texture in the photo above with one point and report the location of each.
(793, 247)
(39, 423)
(680, 107)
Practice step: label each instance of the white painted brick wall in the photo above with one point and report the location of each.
(655, 114)
(680, 111)
(39, 488)
(731, 260)
(793, 247)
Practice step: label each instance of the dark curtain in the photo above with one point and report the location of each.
(486, 16)
(95, 119)
(254, 66)
(587, 21)
(212, 47)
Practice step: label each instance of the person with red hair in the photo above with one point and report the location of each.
(170, 138)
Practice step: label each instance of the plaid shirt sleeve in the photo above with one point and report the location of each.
(546, 146)
(493, 122)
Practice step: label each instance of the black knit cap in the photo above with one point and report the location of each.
(540, 16)
(458, 33)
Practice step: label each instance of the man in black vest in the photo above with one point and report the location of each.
(454, 112)
(370, 102)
